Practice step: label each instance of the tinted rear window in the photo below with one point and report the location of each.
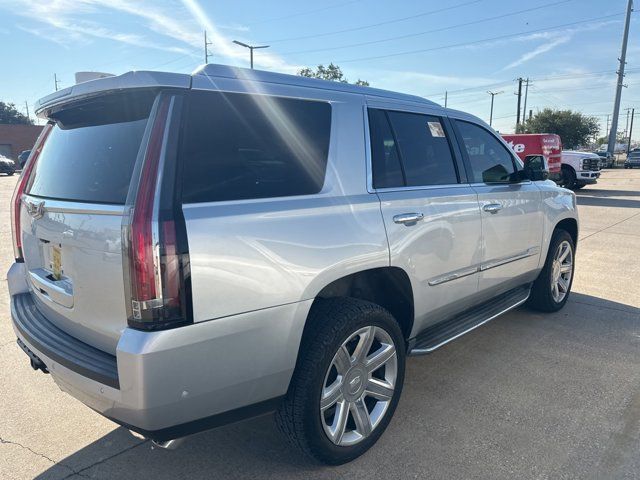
(240, 146)
(91, 151)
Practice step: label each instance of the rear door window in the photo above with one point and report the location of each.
(91, 151)
(240, 146)
(409, 149)
(387, 170)
(424, 149)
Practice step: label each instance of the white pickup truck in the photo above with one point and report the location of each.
(579, 169)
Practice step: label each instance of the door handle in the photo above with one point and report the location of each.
(408, 219)
(492, 207)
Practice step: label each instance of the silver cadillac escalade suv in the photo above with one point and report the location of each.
(196, 249)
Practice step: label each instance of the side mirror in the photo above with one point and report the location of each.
(535, 168)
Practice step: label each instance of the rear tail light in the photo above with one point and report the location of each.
(16, 200)
(158, 265)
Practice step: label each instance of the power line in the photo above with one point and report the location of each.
(425, 32)
(569, 76)
(300, 14)
(372, 25)
(475, 42)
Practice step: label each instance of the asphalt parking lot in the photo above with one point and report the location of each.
(526, 396)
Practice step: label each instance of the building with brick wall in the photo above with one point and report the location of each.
(16, 138)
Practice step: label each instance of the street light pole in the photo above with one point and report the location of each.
(633, 113)
(251, 49)
(493, 94)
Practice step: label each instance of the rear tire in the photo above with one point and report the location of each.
(551, 289)
(339, 402)
(579, 186)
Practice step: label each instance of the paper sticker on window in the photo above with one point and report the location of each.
(436, 129)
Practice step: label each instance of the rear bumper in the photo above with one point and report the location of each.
(176, 382)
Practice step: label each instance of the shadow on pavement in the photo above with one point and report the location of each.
(583, 299)
(449, 402)
(597, 201)
(595, 192)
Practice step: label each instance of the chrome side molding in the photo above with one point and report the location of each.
(464, 272)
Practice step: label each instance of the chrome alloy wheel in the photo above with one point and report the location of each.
(561, 271)
(358, 386)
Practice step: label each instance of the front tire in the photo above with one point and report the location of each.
(551, 289)
(347, 381)
(568, 178)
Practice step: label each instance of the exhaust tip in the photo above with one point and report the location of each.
(165, 445)
(168, 444)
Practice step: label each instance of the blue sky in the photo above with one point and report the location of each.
(567, 47)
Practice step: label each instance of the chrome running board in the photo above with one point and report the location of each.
(444, 332)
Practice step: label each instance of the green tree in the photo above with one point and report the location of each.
(331, 72)
(9, 114)
(574, 128)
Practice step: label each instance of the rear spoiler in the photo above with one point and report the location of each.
(129, 80)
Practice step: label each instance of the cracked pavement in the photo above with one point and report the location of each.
(525, 396)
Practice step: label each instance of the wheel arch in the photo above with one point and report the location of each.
(570, 225)
(388, 287)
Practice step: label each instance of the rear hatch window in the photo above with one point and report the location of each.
(91, 151)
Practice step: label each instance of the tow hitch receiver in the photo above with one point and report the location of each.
(36, 363)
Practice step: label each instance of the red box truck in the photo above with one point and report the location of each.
(547, 144)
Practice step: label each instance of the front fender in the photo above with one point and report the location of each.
(558, 204)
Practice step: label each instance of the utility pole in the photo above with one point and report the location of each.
(607, 123)
(493, 94)
(623, 57)
(526, 93)
(530, 113)
(56, 81)
(445, 98)
(633, 112)
(520, 80)
(206, 48)
(26, 106)
(251, 49)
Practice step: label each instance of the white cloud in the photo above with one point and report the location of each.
(555, 37)
(72, 22)
(544, 48)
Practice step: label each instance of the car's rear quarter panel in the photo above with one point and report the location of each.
(253, 254)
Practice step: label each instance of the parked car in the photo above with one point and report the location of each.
(579, 169)
(607, 159)
(22, 158)
(7, 165)
(269, 248)
(547, 144)
(633, 159)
